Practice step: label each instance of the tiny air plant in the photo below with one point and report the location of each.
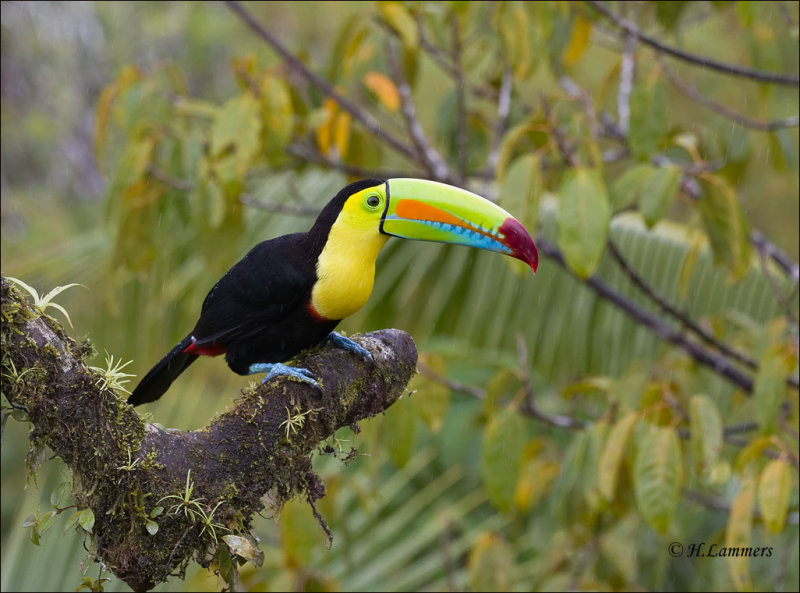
(194, 509)
(295, 422)
(43, 302)
(112, 377)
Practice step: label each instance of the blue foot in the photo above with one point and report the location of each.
(340, 341)
(274, 369)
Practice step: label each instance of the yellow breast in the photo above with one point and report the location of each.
(346, 266)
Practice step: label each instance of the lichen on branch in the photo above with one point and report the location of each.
(162, 498)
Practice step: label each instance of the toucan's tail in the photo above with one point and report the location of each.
(161, 376)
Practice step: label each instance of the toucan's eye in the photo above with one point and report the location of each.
(373, 201)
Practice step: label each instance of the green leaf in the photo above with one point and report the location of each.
(629, 187)
(235, 137)
(659, 192)
(156, 512)
(521, 190)
(725, 224)
(668, 13)
(648, 121)
(152, 527)
(657, 476)
(583, 220)
(60, 493)
(706, 432)
(774, 492)
(501, 456)
(72, 520)
(46, 522)
(86, 520)
(613, 453)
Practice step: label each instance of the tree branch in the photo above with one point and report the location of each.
(716, 362)
(125, 468)
(632, 29)
(695, 95)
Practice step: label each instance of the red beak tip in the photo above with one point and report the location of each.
(517, 238)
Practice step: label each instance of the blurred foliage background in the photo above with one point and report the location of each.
(553, 441)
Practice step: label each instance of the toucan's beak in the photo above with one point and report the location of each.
(430, 211)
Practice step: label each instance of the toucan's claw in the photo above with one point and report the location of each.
(340, 341)
(275, 369)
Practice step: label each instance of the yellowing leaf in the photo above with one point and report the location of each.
(277, 115)
(384, 89)
(751, 452)
(578, 41)
(725, 224)
(399, 18)
(583, 220)
(613, 453)
(536, 476)
(769, 389)
(706, 435)
(341, 133)
(490, 564)
(659, 193)
(325, 126)
(657, 476)
(738, 534)
(774, 491)
(127, 77)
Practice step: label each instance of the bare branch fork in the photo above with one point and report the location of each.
(124, 468)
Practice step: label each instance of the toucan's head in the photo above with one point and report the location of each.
(431, 211)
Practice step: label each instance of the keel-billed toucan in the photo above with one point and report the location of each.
(289, 293)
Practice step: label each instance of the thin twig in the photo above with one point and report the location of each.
(719, 364)
(365, 118)
(529, 405)
(665, 306)
(503, 109)
(626, 76)
(631, 28)
(432, 160)
(461, 107)
(695, 95)
(566, 152)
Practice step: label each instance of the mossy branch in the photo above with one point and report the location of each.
(209, 482)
